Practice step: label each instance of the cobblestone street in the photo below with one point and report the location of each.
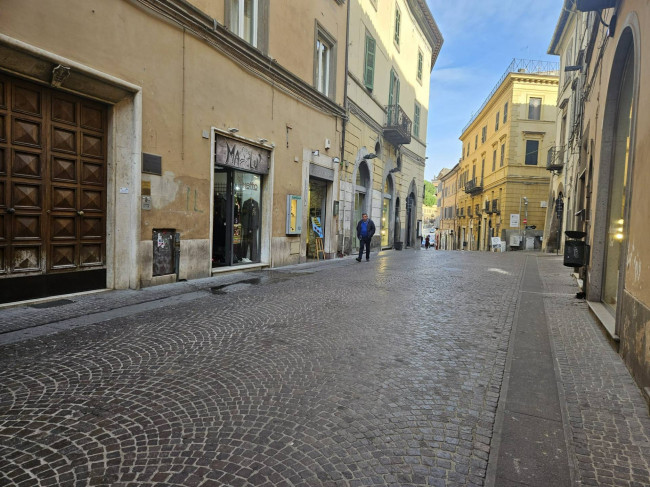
(338, 373)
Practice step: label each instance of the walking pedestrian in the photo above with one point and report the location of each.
(365, 231)
(427, 242)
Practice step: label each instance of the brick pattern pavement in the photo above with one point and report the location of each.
(608, 416)
(354, 374)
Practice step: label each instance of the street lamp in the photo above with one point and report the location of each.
(525, 200)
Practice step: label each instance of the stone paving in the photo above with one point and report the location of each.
(343, 374)
(608, 417)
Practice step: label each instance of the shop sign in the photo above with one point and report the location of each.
(245, 157)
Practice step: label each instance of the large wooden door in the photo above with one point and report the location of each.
(52, 182)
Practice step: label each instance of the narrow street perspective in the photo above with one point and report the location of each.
(333, 373)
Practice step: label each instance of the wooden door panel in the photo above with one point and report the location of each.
(3, 128)
(26, 227)
(92, 146)
(64, 140)
(26, 196)
(3, 259)
(64, 110)
(25, 258)
(92, 227)
(63, 199)
(92, 117)
(63, 228)
(63, 169)
(26, 164)
(3, 161)
(26, 132)
(92, 200)
(92, 173)
(27, 99)
(63, 256)
(92, 254)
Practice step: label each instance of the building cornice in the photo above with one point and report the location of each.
(264, 67)
(428, 25)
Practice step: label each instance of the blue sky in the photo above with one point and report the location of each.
(481, 39)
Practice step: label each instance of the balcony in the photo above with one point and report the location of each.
(555, 159)
(488, 208)
(495, 207)
(398, 126)
(474, 186)
(477, 211)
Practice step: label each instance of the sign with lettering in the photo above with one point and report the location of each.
(245, 157)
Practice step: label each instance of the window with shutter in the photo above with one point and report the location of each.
(369, 71)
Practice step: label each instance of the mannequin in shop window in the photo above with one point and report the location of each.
(250, 218)
(237, 232)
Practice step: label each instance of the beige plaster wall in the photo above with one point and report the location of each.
(188, 87)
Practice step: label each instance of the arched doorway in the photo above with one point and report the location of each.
(385, 211)
(410, 219)
(621, 93)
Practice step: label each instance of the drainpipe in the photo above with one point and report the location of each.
(345, 118)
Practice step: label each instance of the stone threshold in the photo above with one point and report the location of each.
(606, 321)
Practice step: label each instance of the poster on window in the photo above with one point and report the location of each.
(236, 233)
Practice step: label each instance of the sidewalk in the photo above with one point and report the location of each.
(567, 396)
(29, 319)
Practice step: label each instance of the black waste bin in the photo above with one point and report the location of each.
(574, 253)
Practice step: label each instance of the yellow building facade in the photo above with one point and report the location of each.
(502, 179)
(448, 188)
(392, 49)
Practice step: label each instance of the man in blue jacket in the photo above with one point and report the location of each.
(365, 231)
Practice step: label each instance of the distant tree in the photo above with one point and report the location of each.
(430, 194)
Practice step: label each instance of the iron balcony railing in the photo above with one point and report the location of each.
(474, 186)
(495, 207)
(488, 208)
(398, 126)
(555, 159)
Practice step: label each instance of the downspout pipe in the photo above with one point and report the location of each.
(345, 118)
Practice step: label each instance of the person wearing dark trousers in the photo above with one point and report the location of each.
(365, 231)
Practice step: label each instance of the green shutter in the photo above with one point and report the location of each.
(369, 72)
(416, 120)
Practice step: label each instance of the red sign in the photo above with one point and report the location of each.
(525, 221)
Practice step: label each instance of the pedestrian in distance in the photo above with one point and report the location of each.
(365, 231)
(427, 242)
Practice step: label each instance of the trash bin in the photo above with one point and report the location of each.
(574, 250)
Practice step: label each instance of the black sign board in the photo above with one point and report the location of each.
(152, 164)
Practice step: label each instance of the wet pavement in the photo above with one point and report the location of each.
(389, 372)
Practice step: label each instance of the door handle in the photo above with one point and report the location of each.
(80, 213)
(11, 211)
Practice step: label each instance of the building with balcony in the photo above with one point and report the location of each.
(450, 218)
(502, 181)
(157, 141)
(566, 167)
(393, 46)
(612, 205)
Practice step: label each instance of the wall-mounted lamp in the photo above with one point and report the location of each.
(316, 152)
(233, 130)
(370, 156)
(336, 160)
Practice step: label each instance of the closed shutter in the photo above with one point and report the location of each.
(369, 72)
